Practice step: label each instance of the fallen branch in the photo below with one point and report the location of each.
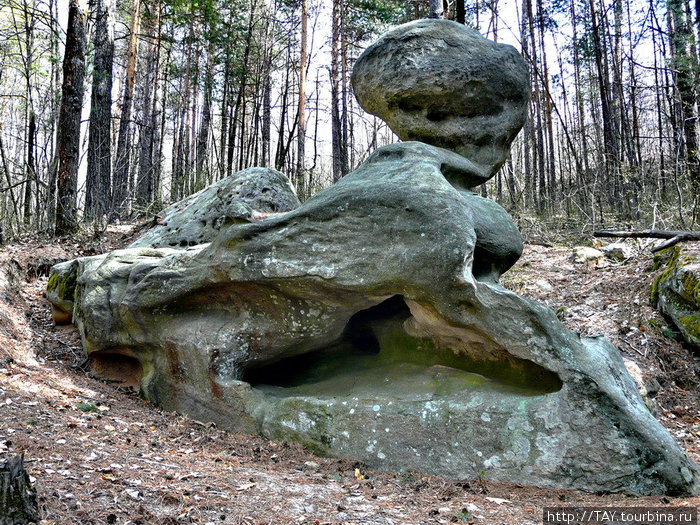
(674, 237)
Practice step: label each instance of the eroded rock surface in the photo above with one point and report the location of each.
(442, 83)
(357, 325)
(676, 292)
(240, 197)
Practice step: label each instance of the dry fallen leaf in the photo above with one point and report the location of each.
(245, 486)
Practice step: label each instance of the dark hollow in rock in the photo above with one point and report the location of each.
(118, 366)
(376, 345)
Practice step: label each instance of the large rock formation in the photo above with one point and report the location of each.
(369, 323)
(442, 83)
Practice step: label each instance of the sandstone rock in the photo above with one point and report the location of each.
(369, 323)
(676, 292)
(587, 255)
(442, 83)
(60, 291)
(618, 251)
(11, 276)
(648, 387)
(240, 197)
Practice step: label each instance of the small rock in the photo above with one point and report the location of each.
(585, 254)
(618, 251)
(544, 285)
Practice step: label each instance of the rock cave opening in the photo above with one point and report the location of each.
(376, 355)
(117, 366)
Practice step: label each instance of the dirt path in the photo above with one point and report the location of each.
(101, 455)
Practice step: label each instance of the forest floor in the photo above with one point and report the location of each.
(99, 454)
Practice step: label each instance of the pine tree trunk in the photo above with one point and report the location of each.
(460, 12)
(99, 156)
(205, 127)
(344, 75)
(266, 116)
(301, 110)
(144, 178)
(30, 172)
(120, 191)
(685, 66)
(336, 131)
(68, 139)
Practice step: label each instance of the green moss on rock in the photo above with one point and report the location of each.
(676, 293)
(692, 324)
(62, 284)
(669, 256)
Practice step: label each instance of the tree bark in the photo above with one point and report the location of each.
(68, 139)
(674, 237)
(301, 131)
(18, 503)
(685, 66)
(30, 172)
(99, 157)
(120, 190)
(205, 127)
(144, 178)
(436, 9)
(461, 12)
(336, 125)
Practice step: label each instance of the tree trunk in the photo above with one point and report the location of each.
(30, 117)
(336, 131)
(266, 110)
(99, 157)
(436, 10)
(205, 127)
(461, 12)
(18, 503)
(68, 139)
(344, 75)
(144, 178)
(609, 141)
(685, 67)
(301, 131)
(30, 172)
(120, 190)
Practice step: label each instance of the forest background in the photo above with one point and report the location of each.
(109, 111)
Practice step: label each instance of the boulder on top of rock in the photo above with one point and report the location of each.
(240, 197)
(442, 83)
(359, 325)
